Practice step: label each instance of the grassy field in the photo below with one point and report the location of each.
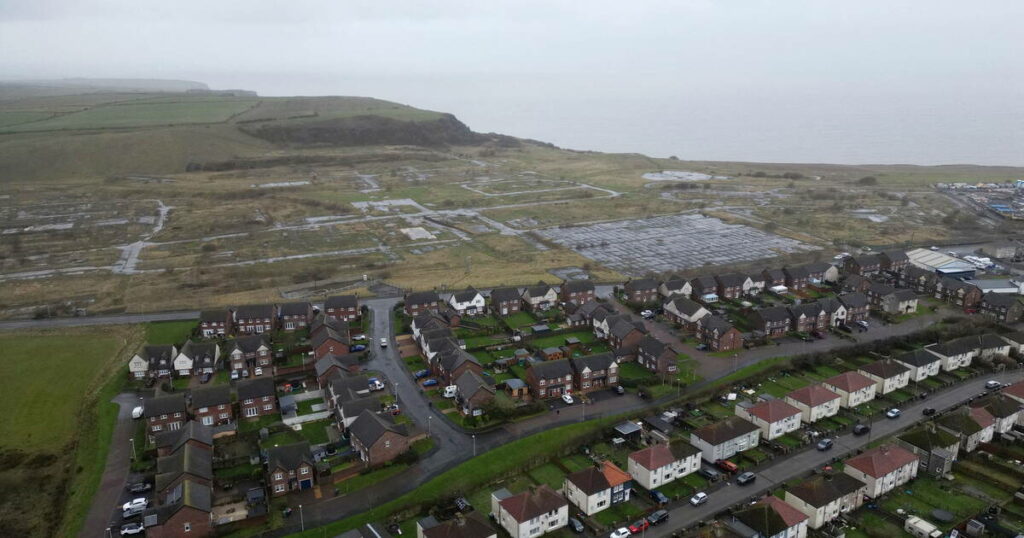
(169, 332)
(142, 115)
(57, 434)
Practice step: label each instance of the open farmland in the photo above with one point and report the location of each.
(142, 114)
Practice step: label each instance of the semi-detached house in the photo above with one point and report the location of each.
(594, 489)
(725, 438)
(468, 302)
(531, 513)
(853, 388)
(774, 417)
(686, 312)
(889, 375)
(257, 398)
(343, 307)
(770, 517)
(662, 463)
(815, 402)
(883, 468)
(972, 425)
(921, 363)
(823, 498)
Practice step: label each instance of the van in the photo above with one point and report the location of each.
(450, 391)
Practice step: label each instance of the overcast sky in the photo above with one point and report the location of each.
(516, 66)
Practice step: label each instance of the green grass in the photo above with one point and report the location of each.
(749, 371)
(245, 470)
(305, 407)
(585, 337)
(141, 114)
(548, 474)
(253, 425)
(576, 462)
(162, 333)
(633, 371)
(620, 514)
(484, 341)
(520, 319)
(361, 481)
(423, 446)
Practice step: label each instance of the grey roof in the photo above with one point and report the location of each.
(675, 282)
(577, 286)
(716, 323)
(830, 304)
(354, 408)
(686, 306)
(322, 320)
(213, 316)
(254, 311)
(247, 344)
(453, 358)
(164, 405)
(820, 490)
(918, 358)
(641, 284)
(797, 272)
(775, 274)
(811, 310)
(289, 457)
(731, 280)
(326, 334)
(867, 260)
(885, 368)
(622, 327)
(470, 526)
(470, 382)
(551, 369)
(774, 313)
(854, 300)
(905, 295)
(880, 289)
(990, 341)
(369, 427)
(652, 346)
(255, 388)
(294, 309)
(203, 353)
(539, 290)
(725, 430)
(817, 267)
(465, 295)
(342, 361)
(211, 396)
(601, 361)
(192, 431)
(156, 355)
(1004, 300)
(502, 295)
(341, 301)
(704, 283)
(421, 297)
(515, 383)
(191, 459)
(1016, 336)
(896, 255)
(348, 388)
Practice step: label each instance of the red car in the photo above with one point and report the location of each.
(727, 466)
(639, 525)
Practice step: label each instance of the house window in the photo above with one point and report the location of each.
(247, 401)
(387, 444)
(304, 470)
(174, 426)
(278, 476)
(251, 411)
(278, 488)
(188, 526)
(157, 427)
(205, 409)
(268, 407)
(208, 420)
(224, 416)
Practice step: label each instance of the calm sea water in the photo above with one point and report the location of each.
(972, 123)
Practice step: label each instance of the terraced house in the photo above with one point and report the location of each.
(797, 278)
(1003, 307)
(958, 292)
(956, 353)
(550, 379)
(255, 319)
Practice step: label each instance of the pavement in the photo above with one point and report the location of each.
(684, 515)
(111, 493)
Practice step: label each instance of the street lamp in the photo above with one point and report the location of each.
(302, 523)
(429, 417)
(474, 445)
(132, 441)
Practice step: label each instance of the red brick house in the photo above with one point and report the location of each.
(473, 393)
(719, 334)
(211, 406)
(807, 317)
(730, 285)
(453, 362)
(215, 323)
(164, 413)
(578, 291)
(343, 307)
(187, 513)
(641, 290)
(773, 321)
(192, 433)
(774, 277)
(918, 279)
(703, 286)
(625, 333)
(1002, 307)
(865, 265)
(294, 316)
(656, 356)
(550, 379)
(857, 306)
(595, 372)
(962, 294)
(506, 301)
(326, 366)
(328, 341)
(255, 319)
(247, 352)
(188, 462)
(257, 398)
(419, 302)
(290, 468)
(894, 261)
(797, 278)
(377, 439)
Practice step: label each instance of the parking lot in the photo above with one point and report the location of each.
(671, 243)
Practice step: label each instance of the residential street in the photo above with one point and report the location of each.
(685, 515)
(103, 512)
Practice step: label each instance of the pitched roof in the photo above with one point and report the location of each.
(773, 313)
(896, 255)
(1016, 337)
(685, 305)
(155, 354)
(1016, 390)
(468, 526)
(614, 475)
(533, 503)
(817, 267)
(790, 515)
(958, 346)
(982, 418)
(191, 431)
(422, 297)
(539, 290)
(967, 420)
(640, 284)
(675, 282)
(854, 300)
(211, 396)
(849, 381)
(731, 280)
(929, 440)
(881, 460)
(356, 406)
(773, 410)
(820, 490)
(213, 316)
(885, 368)
(704, 283)
(255, 388)
(652, 346)
(247, 344)
(369, 427)
(470, 383)
(323, 364)
(589, 480)
(797, 272)
(342, 301)
(905, 295)
(918, 357)
(327, 333)
(715, 323)
(600, 361)
(577, 286)
(455, 357)
(813, 395)
(164, 405)
(191, 459)
(501, 295)
(622, 327)
(991, 341)
(466, 295)
(880, 289)
(725, 430)
(551, 369)
(653, 457)
(289, 457)
(254, 311)
(1000, 405)
(767, 518)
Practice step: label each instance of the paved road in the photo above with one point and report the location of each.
(84, 321)
(685, 516)
(112, 486)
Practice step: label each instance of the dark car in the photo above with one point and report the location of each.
(206, 377)
(658, 497)
(638, 526)
(861, 429)
(928, 411)
(658, 517)
(575, 525)
(746, 478)
(825, 444)
(709, 473)
(430, 383)
(358, 347)
(140, 487)
(421, 374)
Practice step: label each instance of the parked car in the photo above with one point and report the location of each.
(993, 384)
(383, 342)
(893, 413)
(746, 478)
(258, 371)
(709, 473)
(359, 337)
(139, 487)
(863, 323)
(133, 512)
(235, 374)
(861, 429)
(658, 497)
(658, 517)
(699, 499)
(825, 444)
(567, 398)
(245, 373)
(639, 526)
(129, 529)
(393, 409)
(575, 525)
(421, 374)
(136, 502)
(358, 347)
(621, 532)
(647, 314)
(727, 466)
(430, 383)
(375, 384)
(702, 347)
(137, 411)
(620, 390)
(205, 378)
(928, 411)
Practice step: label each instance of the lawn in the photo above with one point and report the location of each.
(633, 371)
(620, 514)
(519, 320)
(423, 446)
(162, 333)
(250, 425)
(548, 474)
(576, 462)
(752, 370)
(143, 114)
(245, 470)
(361, 481)
(305, 407)
(585, 337)
(474, 342)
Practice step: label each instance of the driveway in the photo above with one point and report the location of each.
(111, 491)
(685, 516)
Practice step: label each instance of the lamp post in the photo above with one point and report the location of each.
(474, 445)
(302, 523)
(132, 441)
(429, 417)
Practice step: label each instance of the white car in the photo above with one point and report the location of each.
(993, 384)
(647, 314)
(359, 337)
(132, 528)
(137, 411)
(699, 499)
(138, 502)
(258, 371)
(235, 375)
(893, 413)
(383, 342)
(621, 532)
(567, 398)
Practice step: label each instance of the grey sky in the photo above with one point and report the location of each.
(496, 64)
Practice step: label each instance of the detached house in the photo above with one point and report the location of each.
(625, 332)
(506, 301)
(921, 363)
(808, 317)
(327, 340)
(1003, 307)
(675, 285)
(473, 393)
(823, 498)
(797, 278)
(641, 290)
(883, 469)
(595, 372)
(257, 398)
(656, 356)
(821, 273)
(971, 425)
(685, 312)
(540, 297)
(343, 307)
(705, 289)
(468, 302)
(757, 283)
(889, 375)
(732, 285)
(419, 302)
(835, 311)
(865, 265)
(771, 517)
(255, 319)
(918, 279)
(550, 379)
(211, 406)
(596, 488)
(153, 361)
(853, 388)
(578, 291)
(164, 413)
(662, 463)
(773, 321)
(246, 352)
(214, 323)
(531, 513)
(452, 362)
(295, 316)
(718, 334)
(815, 402)
(290, 468)
(725, 438)
(774, 277)
(774, 417)
(197, 358)
(377, 439)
